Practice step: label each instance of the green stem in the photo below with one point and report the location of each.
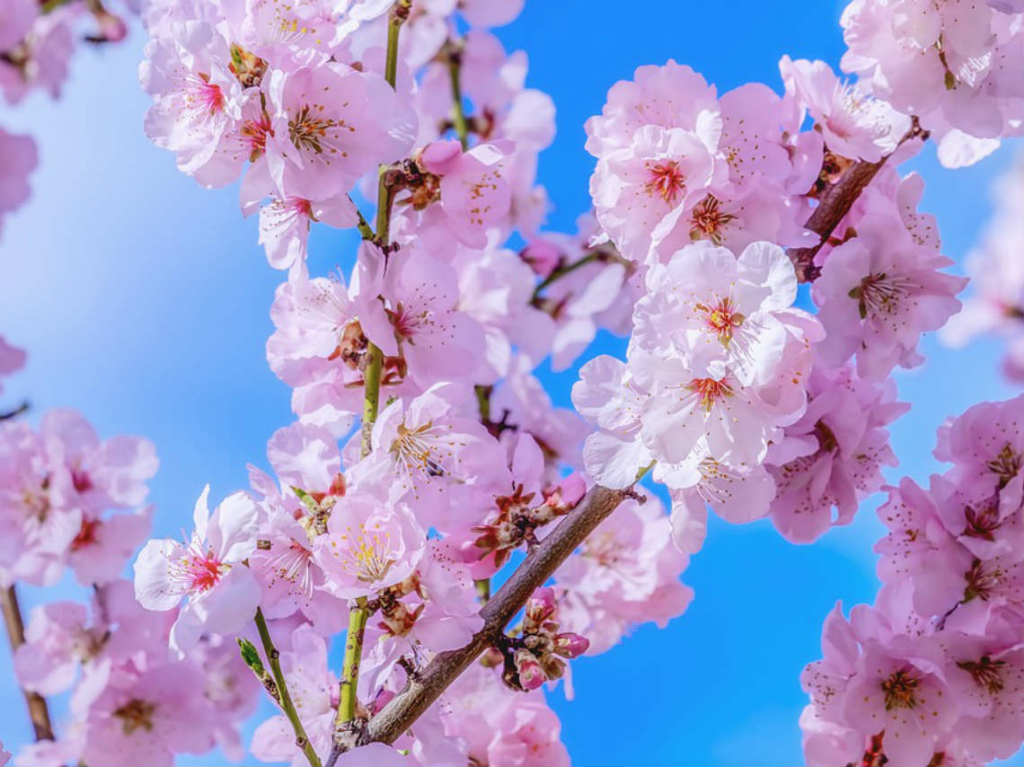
(371, 395)
(458, 111)
(357, 617)
(359, 612)
(483, 402)
(561, 271)
(483, 589)
(283, 698)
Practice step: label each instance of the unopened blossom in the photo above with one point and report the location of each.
(208, 570)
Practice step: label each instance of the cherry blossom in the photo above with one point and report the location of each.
(208, 569)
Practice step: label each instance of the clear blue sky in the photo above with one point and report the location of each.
(143, 301)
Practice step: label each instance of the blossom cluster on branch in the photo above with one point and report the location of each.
(430, 507)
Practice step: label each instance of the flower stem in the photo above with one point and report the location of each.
(359, 612)
(38, 711)
(357, 616)
(458, 111)
(284, 699)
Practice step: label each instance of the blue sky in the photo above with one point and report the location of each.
(143, 301)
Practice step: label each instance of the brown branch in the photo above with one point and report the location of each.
(38, 711)
(835, 203)
(400, 713)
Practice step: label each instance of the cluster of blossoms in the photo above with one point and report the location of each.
(736, 392)
(996, 305)
(462, 460)
(955, 65)
(933, 673)
(70, 500)
(739, 399)
(36, 43)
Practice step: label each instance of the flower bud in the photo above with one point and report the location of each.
(542, 256)
(570, 645)
(492, 658)
(531, 675)
(439, 157)
(541, 606)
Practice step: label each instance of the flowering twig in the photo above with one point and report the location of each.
(454, 58)
(283, 698)
(835, 203)
(38, 711)
(359, 611)
(22, 408)
(420, 692)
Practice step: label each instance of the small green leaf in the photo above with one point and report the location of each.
(307, 500)
(251, 656)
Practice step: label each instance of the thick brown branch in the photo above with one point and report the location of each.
(38, 711)
(400, 713)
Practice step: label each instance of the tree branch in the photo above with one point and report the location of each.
(38, 711)
(836, 202)
(400, 713)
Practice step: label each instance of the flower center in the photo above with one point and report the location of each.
(308, 130)
(880, 294)
(198, 571)
(665, 180)
(985, 672)
(136, 714)
(1005, 465)
(415, 451)
(722, 318)
(207, 95)
(710, 391)
(86, 533)
(254, 133)
(900, 690)
(708, 220)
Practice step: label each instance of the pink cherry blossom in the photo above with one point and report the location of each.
(854, 124)
(370, 544)
(208, 569)
(331, 124)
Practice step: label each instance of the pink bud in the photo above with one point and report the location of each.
(570, 645)
(112, 28)
(542, 256)
(531, 675)
(541, 605)
(440, 157)
(573, 487)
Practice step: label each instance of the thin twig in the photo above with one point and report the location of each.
(284, 699)
(38, 711)
(400, 713)
(836, 202)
